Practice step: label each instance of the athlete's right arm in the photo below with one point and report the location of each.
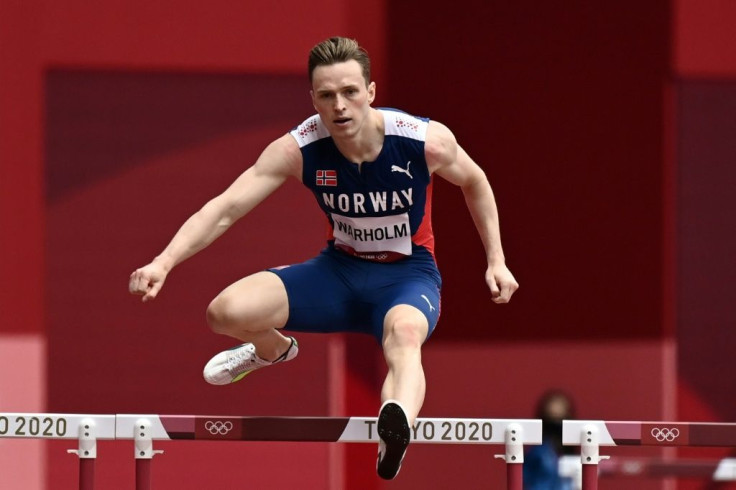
(280, 160)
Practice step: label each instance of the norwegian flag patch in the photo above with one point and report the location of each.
(327, 178)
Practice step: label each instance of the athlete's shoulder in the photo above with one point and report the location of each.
(440, 146)
(400, 123)
(309, 131)
(281, 157)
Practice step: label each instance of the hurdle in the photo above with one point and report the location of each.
(590, 435)
(143, 429)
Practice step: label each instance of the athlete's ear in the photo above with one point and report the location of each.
(311, 94)
(371, 92)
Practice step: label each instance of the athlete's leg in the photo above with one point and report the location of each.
(251, 310)
(405, 329)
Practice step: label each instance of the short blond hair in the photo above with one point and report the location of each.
(338, 50)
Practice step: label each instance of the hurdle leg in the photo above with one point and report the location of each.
(87, 453)
(86, 473)
(590, 476)
(590, 456)
(143, 474)
(144, 453)
(514, 476)
(514, 457)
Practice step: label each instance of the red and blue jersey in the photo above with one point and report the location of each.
(381, 210)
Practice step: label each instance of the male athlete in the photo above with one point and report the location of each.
(371, 173)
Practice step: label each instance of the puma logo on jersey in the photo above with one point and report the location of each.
(396, 168)
(431, 308)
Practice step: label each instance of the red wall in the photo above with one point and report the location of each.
(21, 198)
(704, 93)
(703, 41)
(563, 107)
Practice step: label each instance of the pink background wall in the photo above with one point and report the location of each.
(120, 118)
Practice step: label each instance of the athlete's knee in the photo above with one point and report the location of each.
(221, 315)
(404, 333)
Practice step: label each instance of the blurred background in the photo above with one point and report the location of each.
(607, 132)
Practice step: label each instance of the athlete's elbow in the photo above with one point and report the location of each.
(475, 183)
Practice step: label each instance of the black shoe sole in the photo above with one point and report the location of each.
(394, 431)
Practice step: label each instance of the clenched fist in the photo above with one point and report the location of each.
(147, 281)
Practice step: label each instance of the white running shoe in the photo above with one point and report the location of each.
(234, 364)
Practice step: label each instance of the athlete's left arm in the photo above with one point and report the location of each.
(448, 160)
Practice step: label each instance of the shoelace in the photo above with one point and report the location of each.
(240, 360)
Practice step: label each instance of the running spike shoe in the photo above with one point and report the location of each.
(234, 364)
(394, 433)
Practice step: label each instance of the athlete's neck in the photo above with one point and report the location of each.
(366, 144)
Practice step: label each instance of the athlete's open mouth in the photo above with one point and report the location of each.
(342, 121)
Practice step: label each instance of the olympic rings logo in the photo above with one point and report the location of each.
(218, 427)
(665, 434)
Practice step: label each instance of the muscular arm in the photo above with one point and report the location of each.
(278, 161)
(448, 160)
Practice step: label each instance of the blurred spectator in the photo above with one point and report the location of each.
(541, 462)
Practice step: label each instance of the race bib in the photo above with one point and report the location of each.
(377, 234)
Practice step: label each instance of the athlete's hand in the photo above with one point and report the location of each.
(147, 281)
(501, 282)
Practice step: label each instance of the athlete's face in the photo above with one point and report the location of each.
(341, 97)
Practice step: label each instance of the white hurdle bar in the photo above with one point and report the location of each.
(143, 429)
(591, 434)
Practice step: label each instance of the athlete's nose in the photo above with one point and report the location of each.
(339, 103)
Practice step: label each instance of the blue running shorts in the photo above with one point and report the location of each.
(336, 292)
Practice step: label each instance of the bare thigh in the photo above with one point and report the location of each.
(255, 303)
